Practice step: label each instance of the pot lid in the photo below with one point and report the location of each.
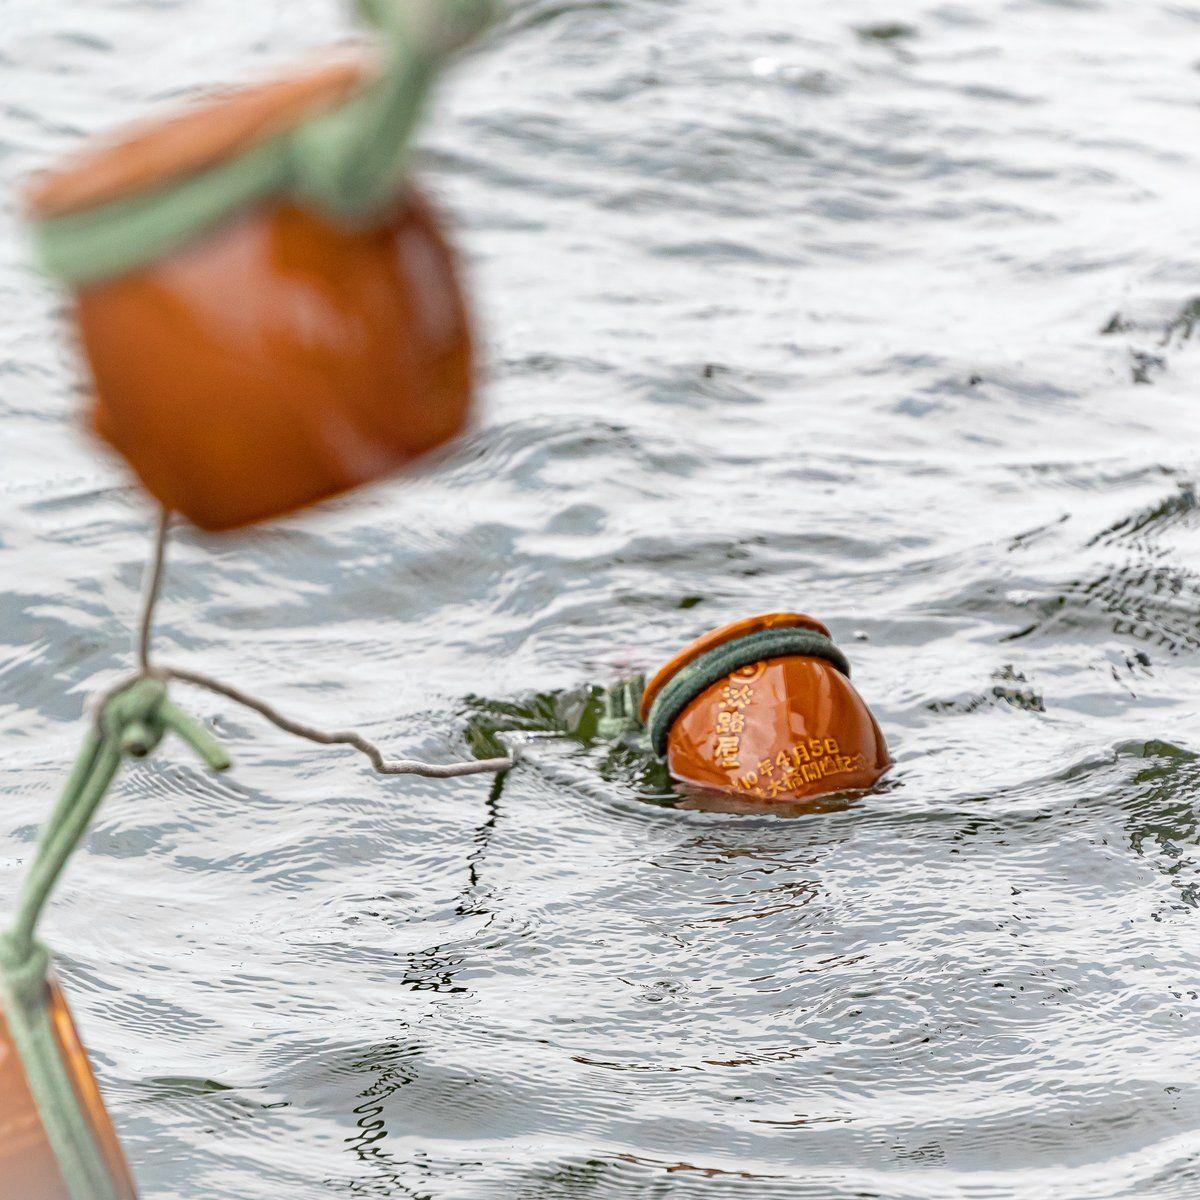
(156, 154)
(718, 637)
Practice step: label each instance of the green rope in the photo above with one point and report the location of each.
(61, 836)
(690, 681)
(132, 720)
(89, 246)
(23, 984)
(83, 1166)
(349, 162)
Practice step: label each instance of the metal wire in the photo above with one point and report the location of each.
(339, 737)
(152, 591)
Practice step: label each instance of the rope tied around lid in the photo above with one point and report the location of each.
(345, 156)
(701, 673)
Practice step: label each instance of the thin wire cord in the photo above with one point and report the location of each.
(344, 737)
(341, 737)
(152, 591)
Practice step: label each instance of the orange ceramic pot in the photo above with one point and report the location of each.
(28, 1170)
(781, 727)
(282, 357)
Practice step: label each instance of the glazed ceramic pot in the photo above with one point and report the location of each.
(280, 355)
(28, 1167)
(764, 709)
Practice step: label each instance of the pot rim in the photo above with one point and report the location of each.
(719, 637)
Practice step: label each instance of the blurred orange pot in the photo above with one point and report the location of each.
(282, 357)
(28, 1169)
(779, 724)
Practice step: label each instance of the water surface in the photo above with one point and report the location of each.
(883, 313)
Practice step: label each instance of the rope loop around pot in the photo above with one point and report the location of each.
(348, 162)
(701, 673)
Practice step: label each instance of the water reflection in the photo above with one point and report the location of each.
(391, 1066)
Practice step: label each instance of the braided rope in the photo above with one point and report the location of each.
(700, 674)
(349, 162)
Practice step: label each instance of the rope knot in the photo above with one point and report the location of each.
(137, 717)
(133, 717)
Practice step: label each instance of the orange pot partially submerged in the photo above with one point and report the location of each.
(764, 709)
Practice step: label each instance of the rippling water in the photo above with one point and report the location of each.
(887, 313)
